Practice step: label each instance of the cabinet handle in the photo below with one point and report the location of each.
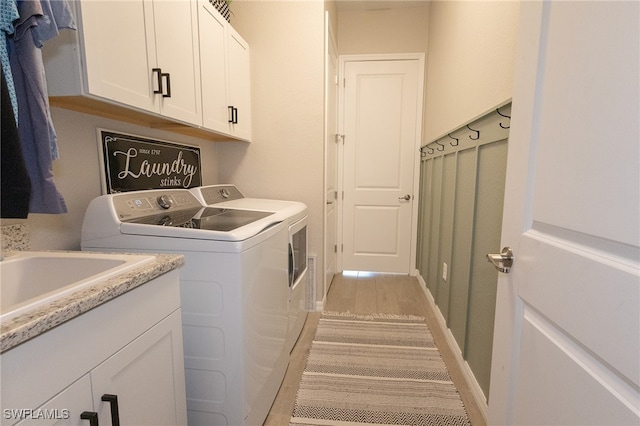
(233, 114)
(158, 72)
(168, 80)
(115, 414)
(91, 416)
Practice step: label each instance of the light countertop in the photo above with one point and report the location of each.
(39, 320)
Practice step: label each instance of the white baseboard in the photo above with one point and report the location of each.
(476, 391)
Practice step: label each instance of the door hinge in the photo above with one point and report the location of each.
(344, 82)
(335, 248)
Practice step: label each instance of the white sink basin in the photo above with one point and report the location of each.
(29, 280)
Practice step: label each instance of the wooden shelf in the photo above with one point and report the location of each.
(102, 108)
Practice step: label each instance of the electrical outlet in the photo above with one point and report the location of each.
(444, 271)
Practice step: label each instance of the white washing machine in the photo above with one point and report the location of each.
(296, 215)
(233, 287)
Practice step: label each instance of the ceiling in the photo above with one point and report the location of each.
(378, 4)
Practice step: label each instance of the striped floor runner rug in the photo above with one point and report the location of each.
(378, 369)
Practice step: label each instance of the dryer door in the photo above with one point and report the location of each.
(297, 252)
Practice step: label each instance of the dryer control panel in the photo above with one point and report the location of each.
(218, 193)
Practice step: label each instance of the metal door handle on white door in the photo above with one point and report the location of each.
(503, 261)
(405, 198)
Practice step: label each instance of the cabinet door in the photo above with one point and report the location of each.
(239, 84)
(147, 376)
(213, 52)
(176, 39)
(64, 409)
(116, 42)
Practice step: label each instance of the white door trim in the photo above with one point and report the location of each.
(330, 147)
(343, 59)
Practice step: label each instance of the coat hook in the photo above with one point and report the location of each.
(455, 139)
(477, 133)
(505, 116)
(440, 146)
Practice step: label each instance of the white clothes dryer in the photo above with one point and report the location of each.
(295, 214)
(233, 288)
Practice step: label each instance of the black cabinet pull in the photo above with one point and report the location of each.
(91, 416)
(158, 72)
(113, 401)
(168, 80)
(233, 114)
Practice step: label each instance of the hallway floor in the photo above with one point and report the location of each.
(366, 293)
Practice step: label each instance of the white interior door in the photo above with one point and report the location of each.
(567, 330)
(331, 157)
(382, 130)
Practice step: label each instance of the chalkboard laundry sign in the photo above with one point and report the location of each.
(133, 163)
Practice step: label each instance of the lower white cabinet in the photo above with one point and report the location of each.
(143, 377)
(63, 409)
(50, 380)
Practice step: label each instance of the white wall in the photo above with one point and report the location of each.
(285, 159)
(77, 173)
(402, 30)
(470, 61)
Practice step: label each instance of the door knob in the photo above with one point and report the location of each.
(503, 261)
(406, 197)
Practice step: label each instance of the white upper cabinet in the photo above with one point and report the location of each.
(114, 46)
(155, 63)
(176, 45)
(134, 54)
(239, 84)
(213, 62)
(224, 62)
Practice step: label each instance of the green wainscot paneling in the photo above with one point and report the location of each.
(461, 201)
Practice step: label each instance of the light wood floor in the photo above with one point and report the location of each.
(368, 293)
